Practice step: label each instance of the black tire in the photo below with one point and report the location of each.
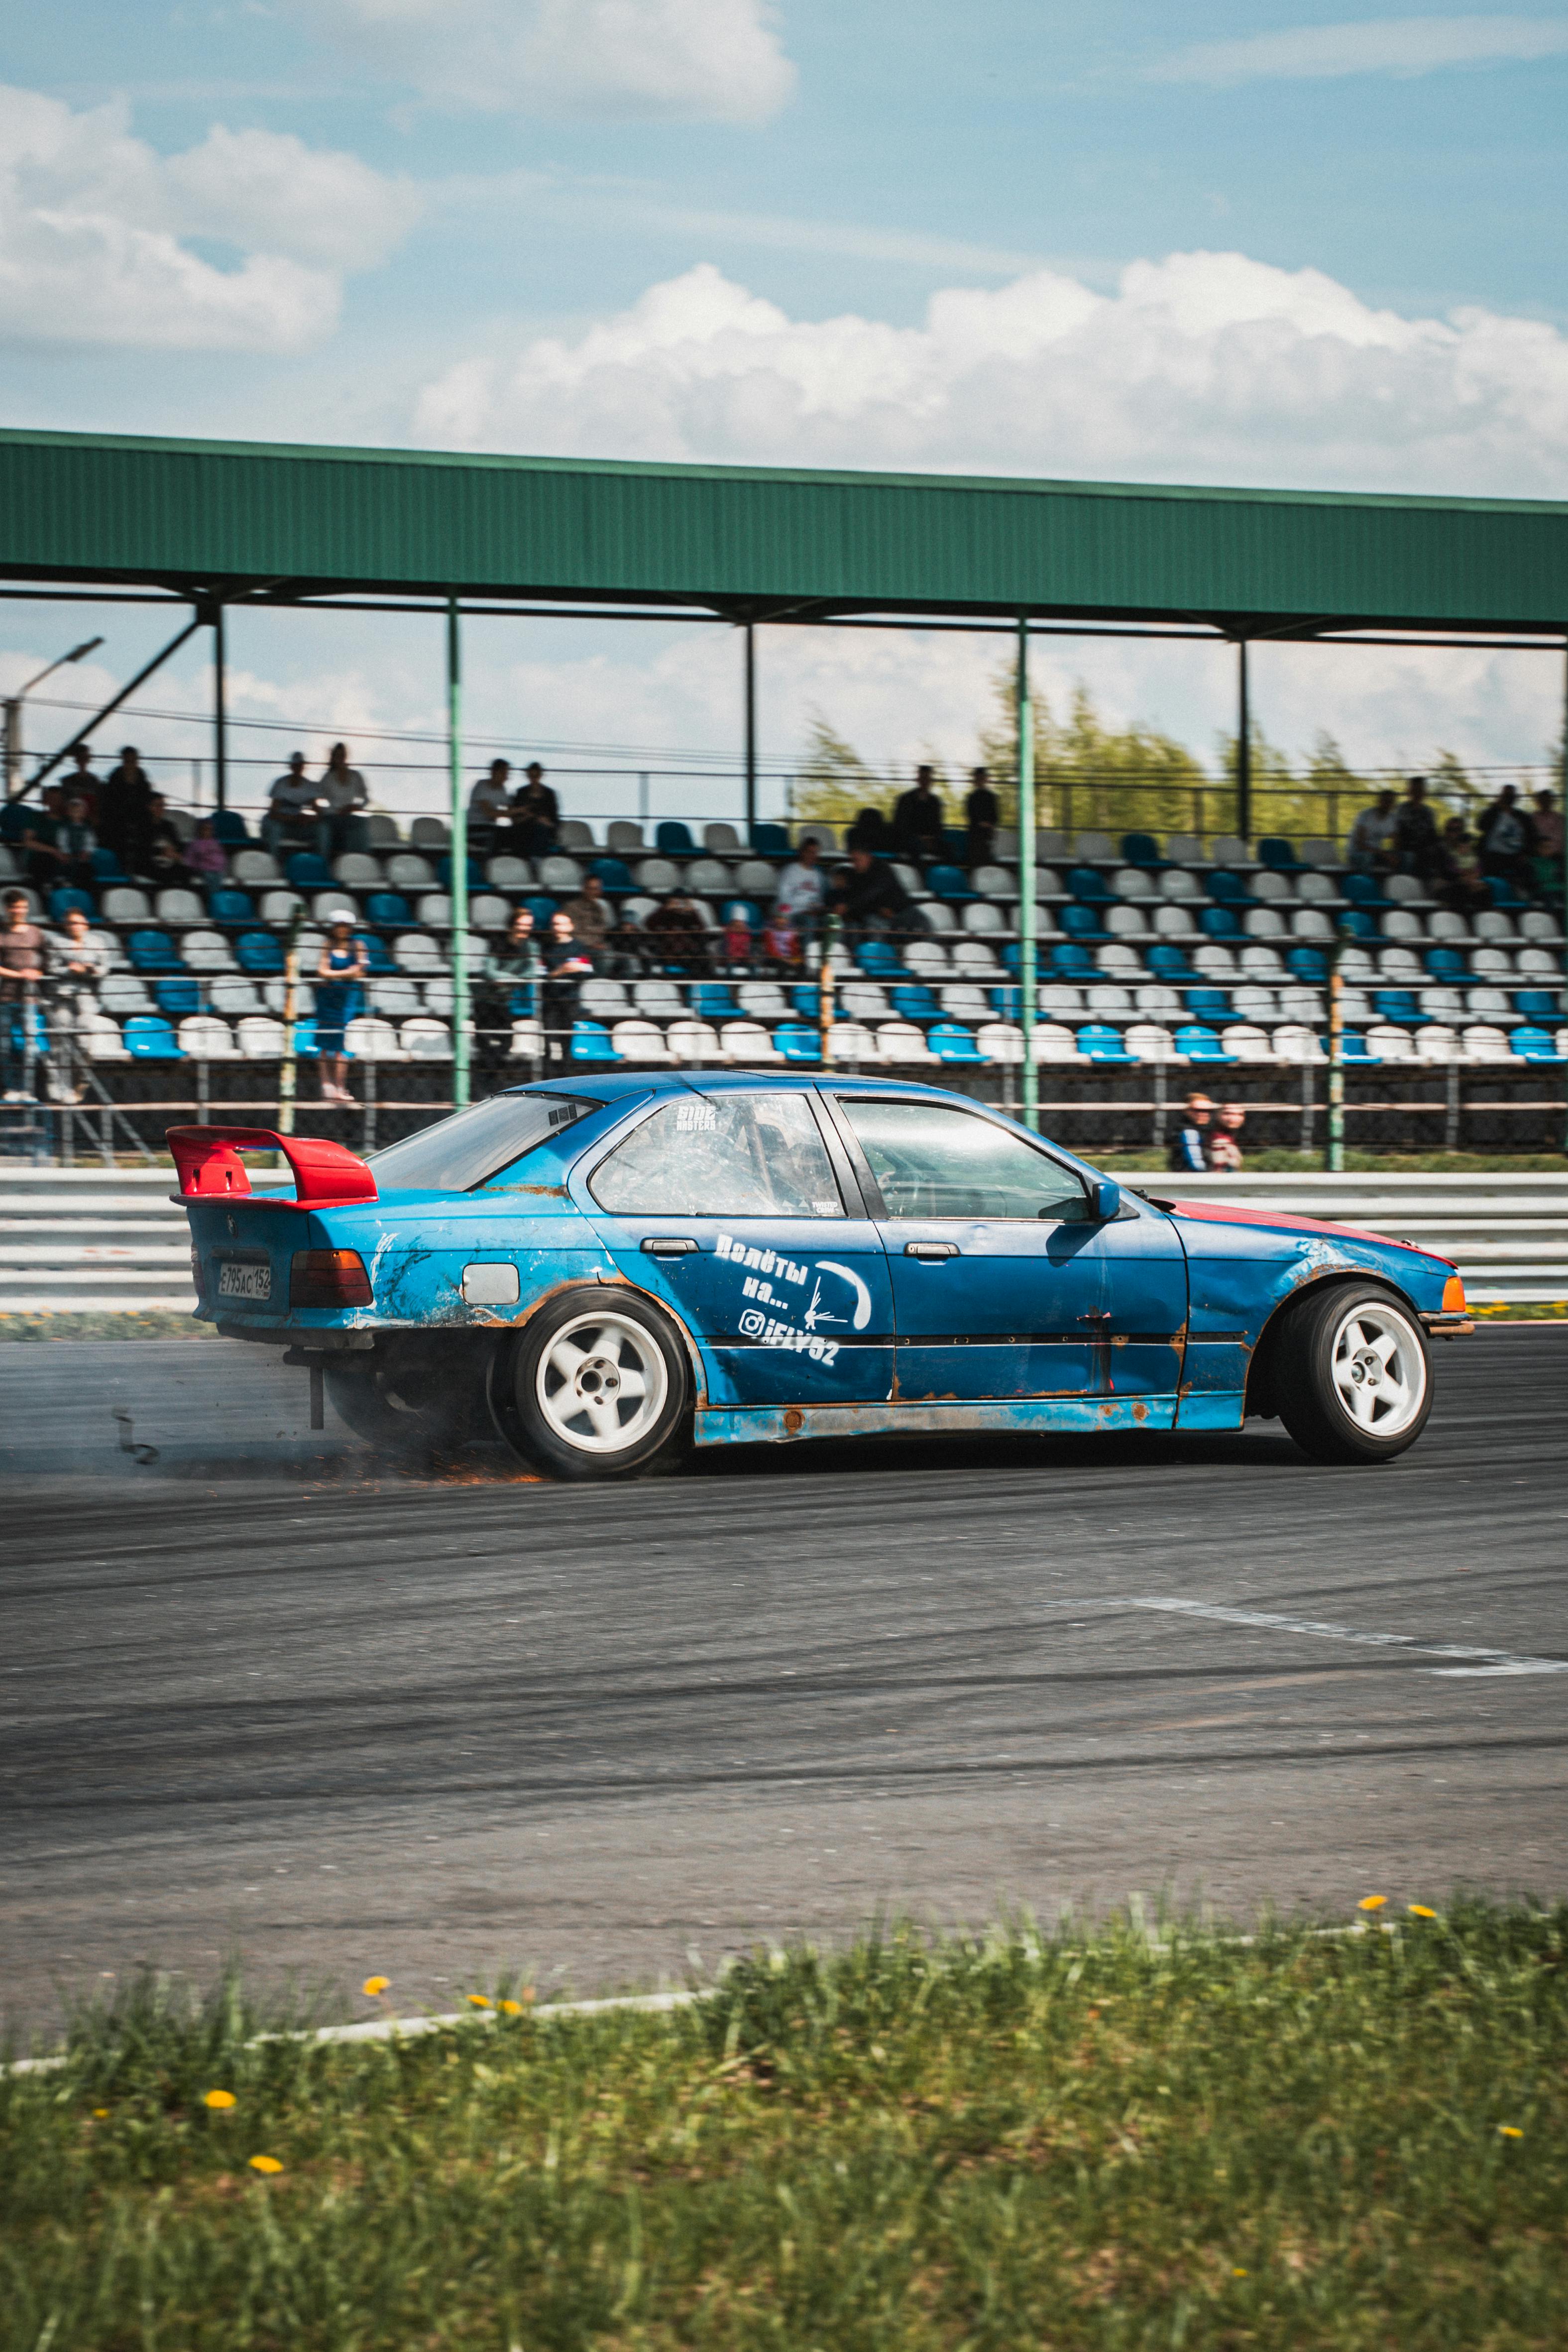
(568, 1426)
(1330, 1374)
(412, 1398)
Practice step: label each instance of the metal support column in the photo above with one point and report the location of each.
(1562, 813)
(1243, 747)
(220, 712)
(751, 734)
(1028, 950)
(459, 892)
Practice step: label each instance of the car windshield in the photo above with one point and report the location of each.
(461, 1151)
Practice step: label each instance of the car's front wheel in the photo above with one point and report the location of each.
(599, 1388)
(1354, 1375)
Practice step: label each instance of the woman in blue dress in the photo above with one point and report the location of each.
(339, 995)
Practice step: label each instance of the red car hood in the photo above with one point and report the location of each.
(1219, 1214)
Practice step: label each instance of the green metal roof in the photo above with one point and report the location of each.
(239, 519)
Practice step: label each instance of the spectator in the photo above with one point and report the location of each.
(41, 851)
(592, 918)
(1416, 834)
(735, 946)
(165, 865)
(918, 820)
(566, 967)
(342, 970)
(293, 812)
(125, 812)
(1224, 1150)
(1507, 840)
(676, 930)
(76, 967)
(82, 782)
(342, 793)
(982, 812)
(490, 807)
(1460, 883)
(76, 841)
(802, 887)
(21, 970)
(506, 992)
(870, 896)
(1369, 849)
(205, 855)
(1189, 1149)
(870, 831)
(1547, 819)
(781, 939)
(535, 813)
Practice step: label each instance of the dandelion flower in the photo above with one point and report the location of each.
(265, 2164)
(510, 2008)
(1422, 1911)
(479, 2001)
(1511, 2131)
(373, 1985)
(218, 2099)
(1235, 2273)
(1372, 1903)
(101, 2112)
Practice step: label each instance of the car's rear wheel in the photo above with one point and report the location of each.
(599, 1388)
(1354, 1375)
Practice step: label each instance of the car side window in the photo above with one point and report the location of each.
(932, 1161)
(729, 1155)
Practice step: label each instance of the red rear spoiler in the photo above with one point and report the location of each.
(209, 1165)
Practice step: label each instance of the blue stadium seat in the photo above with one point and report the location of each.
(796, 1043)
(949, 882)
(1100, 1043)
(443, 873)
(149, 1038)
(1359, 923)
(1353, 1046)
(591, 1043)
(879, 959)
(1210, 1005)
(1448, 964)
(541, 909)
(672, 839)
(950, 1041)
(227, 905)
(154, 951)
(305, 1046)
(377, 954)
(1538, 1003)
(62, 900)
(306, 871)
(1275, 851)
(1200, 1044)
(106, 867)
(177, 997)
(1081, 923)
(1504, 895)
(230, 826)
(807, 1002)
(1227, 889)
(1363, 890)
(712, 1001)
(1398, 1006)
(15, 818)
(1534, 1044)
(615, 873)
(1308, 965)
(767, 841)
(915, 1001)
(390, 909)
(1219, 922)
(1140, 849)
(260, 953)
(1170, 964)
(1089, 888)
(1070, 959)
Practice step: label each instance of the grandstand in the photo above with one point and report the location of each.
(1152, 952)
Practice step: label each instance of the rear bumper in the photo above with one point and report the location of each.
(1447, 1327)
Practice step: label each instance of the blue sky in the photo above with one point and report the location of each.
(1283, 243)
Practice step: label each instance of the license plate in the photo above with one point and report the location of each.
(237, 1280)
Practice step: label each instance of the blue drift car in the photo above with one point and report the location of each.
(611, 1272)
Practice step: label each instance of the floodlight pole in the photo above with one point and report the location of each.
(750, 636)
(220, 712)
(459, 859)
(1028, 952)
(1243, 747)
(1563, 806)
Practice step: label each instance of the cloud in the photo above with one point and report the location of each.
(95, 228)
(684, 60)
(1201, 367)
(1401, 46)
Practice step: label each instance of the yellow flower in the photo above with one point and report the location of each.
(510, 2008)
(373, 1985)
(219, 2098)
(1511, 2131)
(100, 2111)
(479, 2001)
(1421, 1911)
(1372, 1903)
(265, 2164)
(1235, 2273)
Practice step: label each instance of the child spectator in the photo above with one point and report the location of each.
(781, 940)
(206, 854)
(735, 946)
(802, 887)
(1224, 1150)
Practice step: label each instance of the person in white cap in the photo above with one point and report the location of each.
(342, 970)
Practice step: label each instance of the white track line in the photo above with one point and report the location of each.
(1495, 1661)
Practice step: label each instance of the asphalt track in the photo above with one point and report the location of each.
(261, 1697)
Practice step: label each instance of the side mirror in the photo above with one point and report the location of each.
(1107, 1199)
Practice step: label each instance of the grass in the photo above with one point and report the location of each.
(154, 1323)
(993, 2143)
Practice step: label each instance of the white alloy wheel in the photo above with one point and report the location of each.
(1379, 1368)
(601, 1383)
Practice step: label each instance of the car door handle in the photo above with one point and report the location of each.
(935, 1251)
(669, 1245)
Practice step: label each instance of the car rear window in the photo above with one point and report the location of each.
(462, 1151)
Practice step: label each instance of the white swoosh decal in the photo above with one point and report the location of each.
(862, 1296)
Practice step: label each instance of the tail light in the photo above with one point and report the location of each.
(1454, 1296)
(328, 1279)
